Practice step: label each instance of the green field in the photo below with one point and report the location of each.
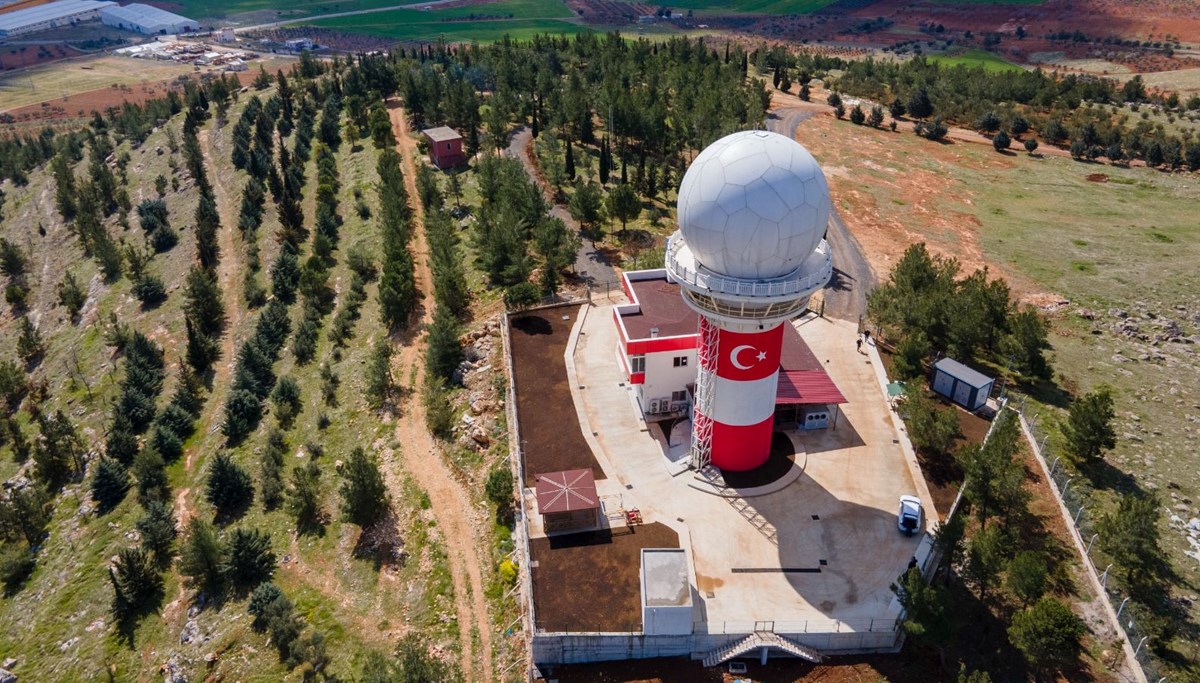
(975, 58)
(518, 19)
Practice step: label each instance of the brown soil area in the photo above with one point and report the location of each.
(84, 103)
(609, 12)
(591, 581)
(930, 195)
(550, 434)
(840, 26)
(17, 56)
(779, 463)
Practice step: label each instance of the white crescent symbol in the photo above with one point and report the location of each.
(733, 356)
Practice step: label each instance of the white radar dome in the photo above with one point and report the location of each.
(753, 205)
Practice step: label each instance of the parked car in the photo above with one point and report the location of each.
(911, 517)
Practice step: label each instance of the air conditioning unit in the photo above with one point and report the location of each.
(677, 406)
(653, 331)
(654, 406)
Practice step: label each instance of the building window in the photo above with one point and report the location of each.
(637, 364)
(681, 361)
(678, 396)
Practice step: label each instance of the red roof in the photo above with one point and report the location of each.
(807, 387)
(566, 491)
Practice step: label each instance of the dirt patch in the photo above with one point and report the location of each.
(15, 57)
(84, 103)
(1097, 177)
(551, 438)
(591, 581)
(608, 12)
(451, 504)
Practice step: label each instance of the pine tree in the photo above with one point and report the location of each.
(304, 497)
(570, 161)
(208, 223)
(271, 483)
(202, 302)
(379, 373)
(444, 352)
(158, 529)
(364, 495)
(250, 560)
(202, 557)
(30, 345)
(1089, 429)
(135, 580)
(110, 484)
(228, 486)
(151, 474)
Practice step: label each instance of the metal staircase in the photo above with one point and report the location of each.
(702, 423)
(712, 476)
(757, 640)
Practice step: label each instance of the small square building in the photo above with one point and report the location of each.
(567, 501)
(961, 384)
(445, 147)
(666, 592)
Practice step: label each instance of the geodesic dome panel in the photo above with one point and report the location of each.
(753, 205)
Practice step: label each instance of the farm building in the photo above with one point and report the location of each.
(445, 147)
(51, 15)
(567, 501)
(146, 19)
(966, 387)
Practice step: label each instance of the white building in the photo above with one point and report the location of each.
(225, 35)
(51, 15)
(146, 19)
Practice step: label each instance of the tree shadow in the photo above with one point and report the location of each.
(1045, 391)
(127, 623)
(1104, 476)
(382, 543)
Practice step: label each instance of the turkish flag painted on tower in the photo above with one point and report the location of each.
(749, 356)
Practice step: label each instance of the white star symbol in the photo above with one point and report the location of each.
(762, 355)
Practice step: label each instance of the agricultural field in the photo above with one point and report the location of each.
(518, 19)
(1107, 251)
(63, 79)
(974, 58)
(752, 6)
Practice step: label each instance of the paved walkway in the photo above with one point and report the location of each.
(591, 265)
(854, 476)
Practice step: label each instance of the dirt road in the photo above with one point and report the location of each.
(846, 295)
(591, 265)
(419, 455)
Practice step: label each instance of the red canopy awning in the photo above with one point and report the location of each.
(807, 387)
(566, 491)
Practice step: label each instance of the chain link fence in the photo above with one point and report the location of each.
(1072, 490)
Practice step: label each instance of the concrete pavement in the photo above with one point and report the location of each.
(837, 566)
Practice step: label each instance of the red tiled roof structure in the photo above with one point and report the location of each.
(566, 492)
(807, 387)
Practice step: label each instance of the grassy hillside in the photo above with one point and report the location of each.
(973, 58)
(58, 624)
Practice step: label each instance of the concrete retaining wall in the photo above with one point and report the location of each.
(570, 648)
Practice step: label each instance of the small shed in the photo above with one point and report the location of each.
(567, 501)
(666, 592)
(445, 147)
(966, 387)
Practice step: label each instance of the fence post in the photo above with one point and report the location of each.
(1140, 644)
(1063, 494)
(1077, 514)
(1122, 607)
(1088, 552)
(1054, 465)
(1104, 577)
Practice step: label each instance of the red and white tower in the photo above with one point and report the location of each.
(749, 252)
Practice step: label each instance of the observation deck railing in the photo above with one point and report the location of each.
(691, 276)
